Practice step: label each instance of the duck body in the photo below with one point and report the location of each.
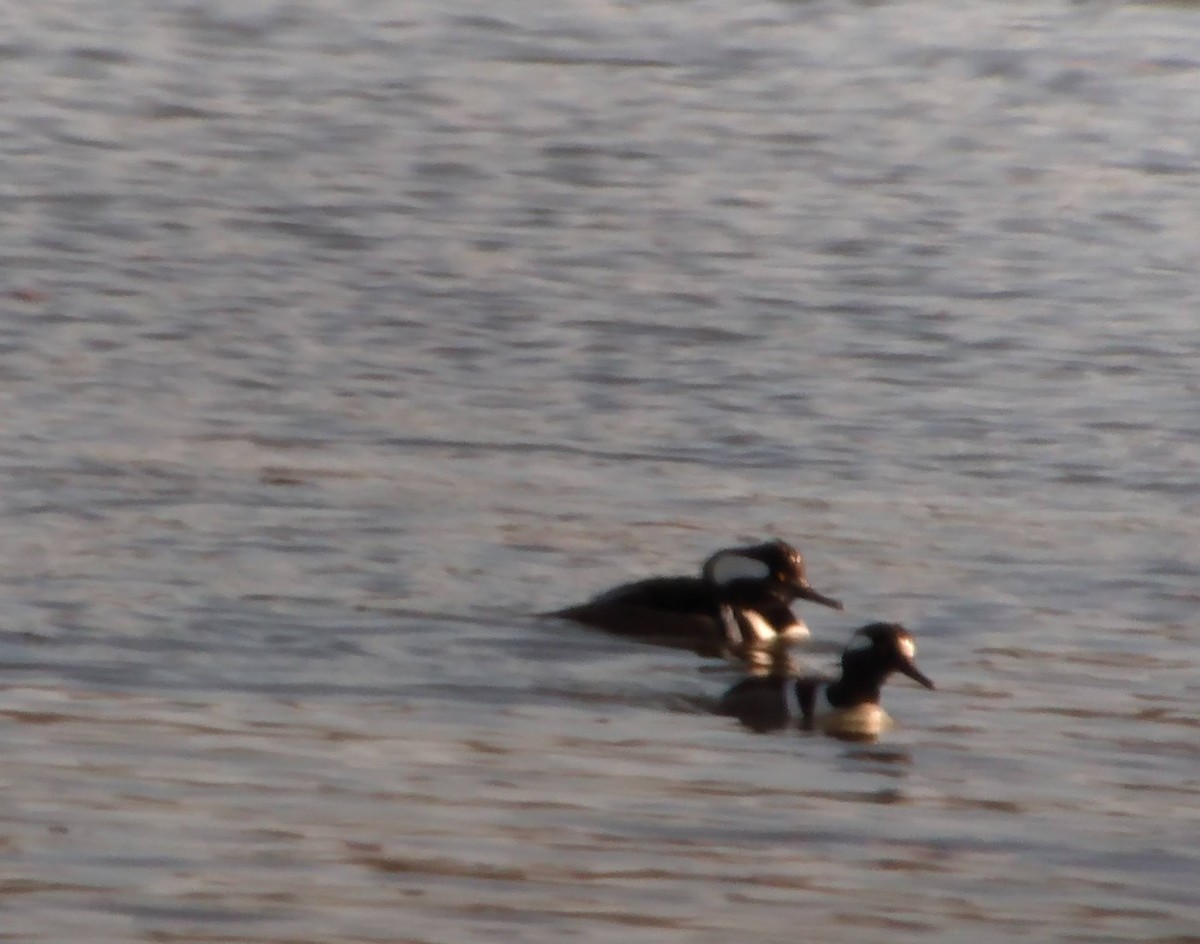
(742, 597)
(662, 609)
(845, 706)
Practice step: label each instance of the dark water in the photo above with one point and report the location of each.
(339, 337)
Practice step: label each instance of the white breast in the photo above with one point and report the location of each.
(755, 630)
(796, 631)
(861, 721)
(759, 627)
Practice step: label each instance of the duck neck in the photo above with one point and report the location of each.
(860, 683)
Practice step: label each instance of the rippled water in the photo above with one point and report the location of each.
(338, 338)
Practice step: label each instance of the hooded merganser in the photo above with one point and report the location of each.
(847, 706)
(740, 600)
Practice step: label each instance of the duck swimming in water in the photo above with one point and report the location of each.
(741, 599)
(847, 706)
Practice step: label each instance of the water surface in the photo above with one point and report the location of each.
(339, 338)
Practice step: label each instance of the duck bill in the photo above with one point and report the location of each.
(805, 592)
(910, 669)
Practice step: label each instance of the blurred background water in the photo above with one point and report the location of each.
(339, 337)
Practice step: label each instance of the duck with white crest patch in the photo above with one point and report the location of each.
(741, 600)
(847, 706)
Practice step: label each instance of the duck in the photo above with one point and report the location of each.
(847, 706)
(741, 599)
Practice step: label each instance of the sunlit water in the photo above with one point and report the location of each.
(340, 338)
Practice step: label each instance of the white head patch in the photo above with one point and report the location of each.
(728, 567)
(907, 647)
(860, 643)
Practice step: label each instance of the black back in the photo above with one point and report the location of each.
(672, 594)
(761, 702)
(684, 612)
